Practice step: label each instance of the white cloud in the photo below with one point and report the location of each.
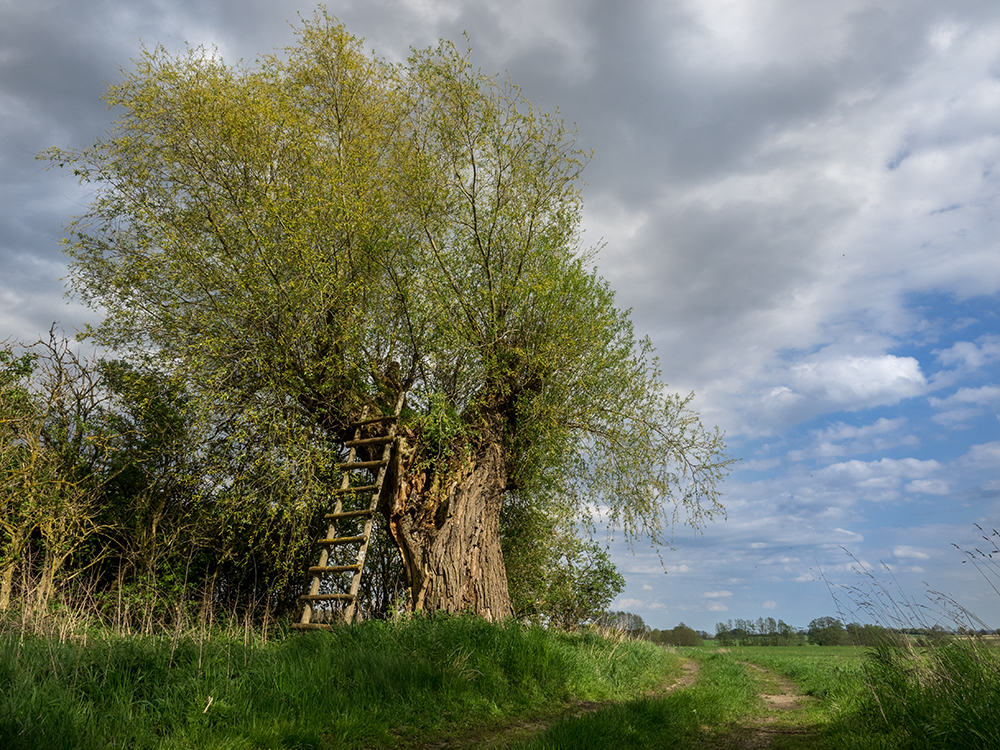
(626, 604)
(770, 604)
(905, 552)
(841, 439)
(881, 480)
(717, 594)
(858, 382)
(928, 486)
(984, 456)
(965, 404)
(716, 607)
(967, 355)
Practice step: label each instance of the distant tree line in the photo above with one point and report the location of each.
(760, 632)
(822, 631)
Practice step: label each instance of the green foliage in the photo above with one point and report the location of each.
(681, 635)
(285, 247)
(53, 452)
(944, 696)
(759, 632)
(554, 574)
(303, 239)
(827, 631)
(627, 622)
(114, 499)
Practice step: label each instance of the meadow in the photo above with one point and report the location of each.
(894, 696)
(461, 682)
(373, 685)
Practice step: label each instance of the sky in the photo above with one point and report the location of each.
(798, 199)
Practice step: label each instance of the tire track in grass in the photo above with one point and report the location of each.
(524, 730)
(782, 725)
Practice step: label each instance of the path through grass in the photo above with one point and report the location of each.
(735, 703)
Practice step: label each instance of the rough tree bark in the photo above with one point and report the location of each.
(445, 521)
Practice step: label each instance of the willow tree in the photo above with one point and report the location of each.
(309, 238)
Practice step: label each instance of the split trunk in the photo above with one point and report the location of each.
(446, 524)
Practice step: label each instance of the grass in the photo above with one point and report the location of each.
(724, 707)
(723, 697)
(933, 693)
(373, 685)
(945, 695)
(421, 680)
(828, 673)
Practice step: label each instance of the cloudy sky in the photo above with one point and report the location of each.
(798, 199)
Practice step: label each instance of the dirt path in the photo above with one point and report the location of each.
(524, 730)
(779, 727)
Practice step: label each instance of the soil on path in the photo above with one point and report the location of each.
(777, 728)
(524, 730)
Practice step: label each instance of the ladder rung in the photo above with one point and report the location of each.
(334, 568)
(311, 626)
(373, 420)
(363, 488)
(369, 441)
(360, 465)
(327, 597)
(341, 540)
(350, 514)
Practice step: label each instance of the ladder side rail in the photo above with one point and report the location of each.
(331, 532)
(369, 522)
(375, 499)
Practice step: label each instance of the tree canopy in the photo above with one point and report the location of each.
(302, 240)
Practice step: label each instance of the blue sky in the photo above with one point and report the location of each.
(798, 199)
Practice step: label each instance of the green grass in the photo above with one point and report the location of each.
(897, 696)
(382, 685)
(373, 685)
(829, 673)
(724, 708)
(942, 697)
(723, 698)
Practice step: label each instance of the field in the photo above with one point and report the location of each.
(375, 685)
(460, 682)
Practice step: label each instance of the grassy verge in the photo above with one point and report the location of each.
(373, 685)
(835, 681)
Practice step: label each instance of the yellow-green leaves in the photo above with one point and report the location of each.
(284, 236)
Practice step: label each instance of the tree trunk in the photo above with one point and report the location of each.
(447, 528)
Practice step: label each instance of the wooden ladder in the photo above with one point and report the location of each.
(332, 540)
